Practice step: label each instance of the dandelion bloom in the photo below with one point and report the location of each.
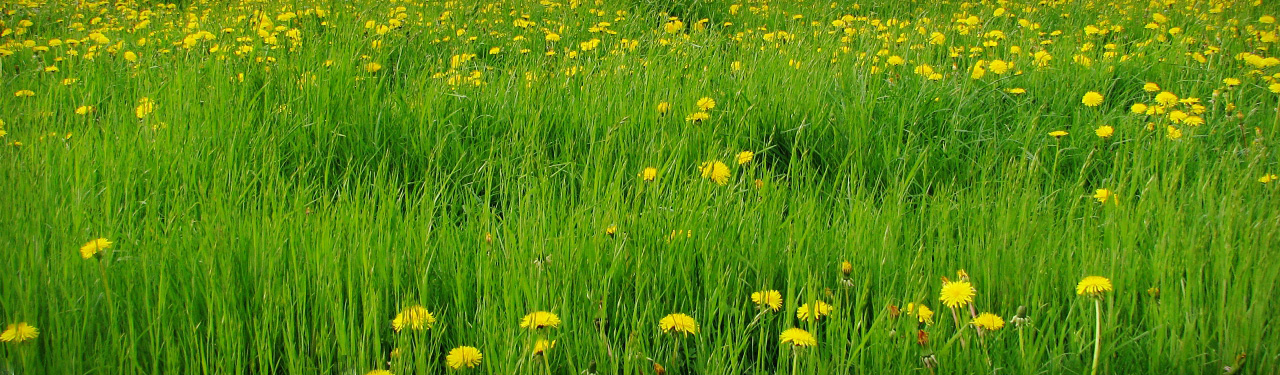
(463, 356)
(715, 171)
(1092, 99)
(1150, 87)
(24, 93)
(1166, 98)
(1105, 131)
(1058, 133)
(663, 107)
(957, 294)
(372, 67)
(798, 337)
(379, 372)
(706, 104)
(697, 117)
(19, 332)
(989, 321)
(93, 247)
(1093, 286)
(819, 310)
(1016, 90)
(768, 298)
(745, 157)
(1138, 108)
(415, 317)
(539, 320)
(1104, 195)
(1267, 178)
(1231, 81)
(999, 66)
(678, 322)
(923, 313)
(846, 268)
(145, 107)
(542, 346)
(649, 173)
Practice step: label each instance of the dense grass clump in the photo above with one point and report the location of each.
(639, 187)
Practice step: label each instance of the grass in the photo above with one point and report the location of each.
(279, 206)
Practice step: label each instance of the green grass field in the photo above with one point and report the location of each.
(275, 182)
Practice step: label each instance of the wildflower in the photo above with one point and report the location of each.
(145, 107)
(463, 356)
(1093, 286)
(1103, 195)
(678, 322)
(19, 332)
(542, 345)
(415, 317)
(924, 314)
(1173, 133)
(379, 372)
(895, 60)
(84, 110)
(649, 173)
(1150, 87)
(706, 104)
(715, 171)
(24, 93)
(819, 310)
(1020, 319)
(999, 66)
(92, 248)
(745, 157)
(846, 268)
(1194, 121)
(697, 117)
(771, 299)
(1166, 98)
(1092, 99)
(539, 320)
(1138, 108)
(989, 321)
(1058, 133)
(1267, 178)
(372, 67)
(663, 107)
(957, 294)
(1105, 131)
(798, 337)
(611, 230)
(1016, 91)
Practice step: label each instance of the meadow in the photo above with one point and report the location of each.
(639, 187)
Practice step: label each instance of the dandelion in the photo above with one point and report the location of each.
(798, 337)
(923, 313)
(24, 93)
(770, 299)
(1166, 98)
(648, 174)
(663, 107)
(988, 321)
(379, 372)
(846, 268)
(1058, 133)
(697, 117)
(84, 110)
(957, 294)
(1173, 133)
(1231, 81)
(715, 171)
(1094, 287)
(1138, 108)
(1267, 178)
(1104, 131)
(1104, 195)
(678, 322)
(542, 346)
(414, 317)
(372, 67)
(540, 319)
(1150, 87)
(745, 157)
(1016, 91)
(145, 107)
(463, 356)
(1092, 99)
(93, 248)
(19, 332)
(817, 312)
(706, 104)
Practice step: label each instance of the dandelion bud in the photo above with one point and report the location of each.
(1020, 319)
(846, 268)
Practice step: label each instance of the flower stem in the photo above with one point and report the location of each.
(106, 287)
(1097, 334)
(795, 361)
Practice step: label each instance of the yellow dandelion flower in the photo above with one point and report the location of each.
(1150, 87)
(745, 157)
(372, 67)
(697, 117)
(817, 312)
(649, 173)
(92, 248)
(1267, 178)
(414, 317)
(1058, 133)
(379, 372)
(663, 107)
(145, 107)
(770, 299)
(798, 337)
(715, 171)
(1093, 286)
(24, 93)
(1166, 98)
(1138, 108)
(1105, 131)
(1092, 99)
(539, 320)
(988, 321)
(706, 104)
(542, 346)
(19, 332)
(957, 294)
(678, 322)
(463, 356)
